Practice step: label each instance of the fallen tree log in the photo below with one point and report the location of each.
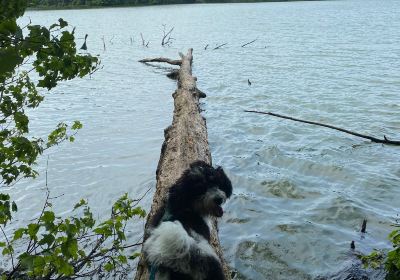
(185, 141)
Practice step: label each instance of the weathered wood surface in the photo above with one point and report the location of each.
(185, 141)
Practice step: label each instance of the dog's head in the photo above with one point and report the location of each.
(201, 189)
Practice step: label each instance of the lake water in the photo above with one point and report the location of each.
(300, 191)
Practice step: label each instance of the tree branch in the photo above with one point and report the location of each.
(373, 139)
(220, 46)
(249, 43)
(162, 59)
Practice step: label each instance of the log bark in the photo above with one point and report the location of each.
(185, 141)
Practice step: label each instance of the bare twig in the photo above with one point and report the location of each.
(9, 245)
(104, 44)
(141, 36)
(206, 47)
(220, 46)
(249, 43)
(167, 39)
(47, 168)
(373, 139)
(144, 44)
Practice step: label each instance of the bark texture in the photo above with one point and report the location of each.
(185, 141)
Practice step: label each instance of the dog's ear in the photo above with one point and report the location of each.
(198, 169)
(223, 181)
(190, 186)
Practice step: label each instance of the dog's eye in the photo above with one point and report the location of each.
(218, 200)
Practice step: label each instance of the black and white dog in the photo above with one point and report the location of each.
(179, 244)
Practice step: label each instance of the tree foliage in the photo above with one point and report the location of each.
(33, 60)
(55, 58)
(72, 247)
(390, 261)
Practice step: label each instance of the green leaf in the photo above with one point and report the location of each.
(8, 250)
(109, 266)
(80, 203)
(4, 197)
(48, 217)
(9, 59)
(63, 23)
(77, 125)
(33, 230)
(47, 239)
(26, 261)
(66, 269)
(19, 233)
(134, 256)
(122, 259)
(14, 207)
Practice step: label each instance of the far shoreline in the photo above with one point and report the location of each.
(85, 7)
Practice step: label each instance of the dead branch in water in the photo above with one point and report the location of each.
(144, 44)
(167, 39)
(364, 226)
(385, 140)
(162, 59)
(220, 46)
(104, 44)
(251, 42)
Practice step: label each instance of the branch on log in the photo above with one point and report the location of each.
(220, 46)
(373, 139)
(185, 141)
(251, 42)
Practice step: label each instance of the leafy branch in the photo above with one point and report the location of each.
(390, 261)
(72, 247)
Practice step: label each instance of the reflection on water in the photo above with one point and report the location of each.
(301, 192)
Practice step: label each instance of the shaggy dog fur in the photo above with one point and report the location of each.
(179, 244)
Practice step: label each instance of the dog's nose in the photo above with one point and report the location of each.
(218, 200)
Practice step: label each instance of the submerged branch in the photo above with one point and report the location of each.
(385, 140)
(248, 43)
(162, 59)
(220, 46)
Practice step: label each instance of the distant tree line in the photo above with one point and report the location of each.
(94, 3)
(110, 3)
